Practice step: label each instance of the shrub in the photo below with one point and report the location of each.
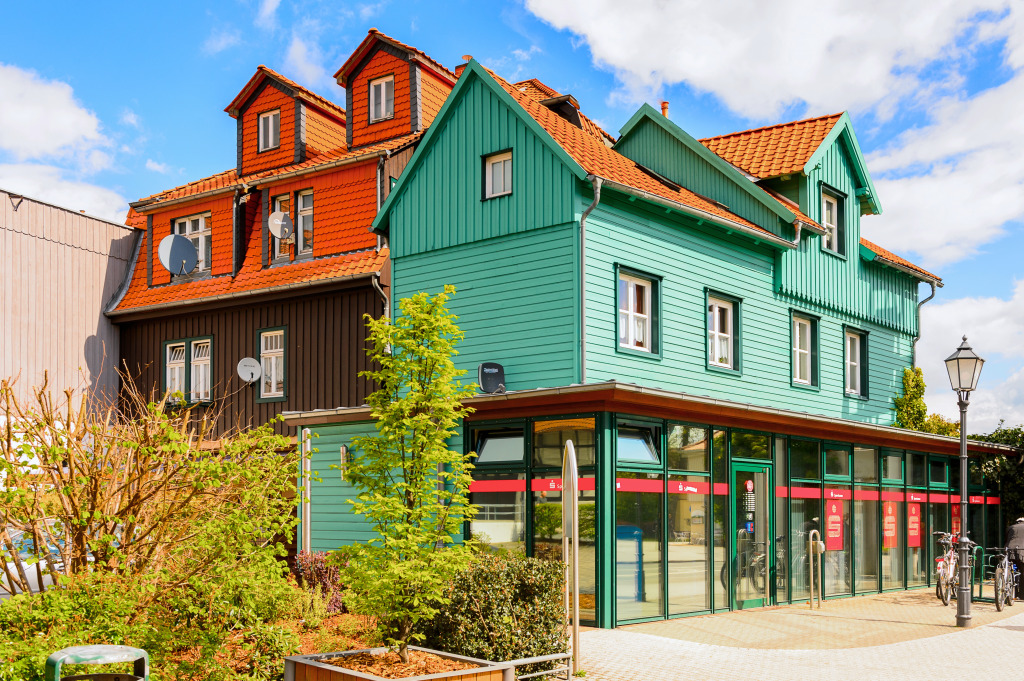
(318, 569)
(314, 607)
(503, 607)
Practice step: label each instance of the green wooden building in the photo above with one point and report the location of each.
(703, 319)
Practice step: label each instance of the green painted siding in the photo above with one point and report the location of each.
(690, 258)
(653, 147)
(333, 523)
(516, 302)
(441, 205)
(845, 284)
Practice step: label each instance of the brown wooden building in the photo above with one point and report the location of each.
(294, 305)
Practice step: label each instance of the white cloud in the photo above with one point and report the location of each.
(157, 167)
(303, 61)
(372, 9)
(41, 119)
(266, 16)
(49, 183)
(220, 40)
(130, 118)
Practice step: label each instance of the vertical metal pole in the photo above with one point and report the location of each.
(963, 600)
(307, 485)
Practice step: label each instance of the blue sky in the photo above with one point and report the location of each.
(103, 107)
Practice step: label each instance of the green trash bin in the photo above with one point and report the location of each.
(99, 655)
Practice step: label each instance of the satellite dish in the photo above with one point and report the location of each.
(491, 377)
(249, 370)
(177, 254)
(280, 224)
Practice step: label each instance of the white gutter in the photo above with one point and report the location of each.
(913, 355)
(914, 273)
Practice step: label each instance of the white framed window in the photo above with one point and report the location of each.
(635, 313)
(382, 99)
(721, 335)
(830, 221)
(272, 361)
(282, 248)
(802, 338)
(498, 175)
(197, 229)
(200, 370)
(270, 130)
(854, 363)
(175, 368)
(304, 228)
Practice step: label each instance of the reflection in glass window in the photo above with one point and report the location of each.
(937, 472)
(917, 469)
(549, 440)
(865, 464)
(638, 545)
(688, 544)
(837, 462)
(781, 519)
(637, 445)
(750, 446)
(720, 516)
(803, 460)
(503, 445)
(687, 448)
(865, 521)
(547, 533)
(892, 465)
(805, 515)
(500, 499)
(892, 539)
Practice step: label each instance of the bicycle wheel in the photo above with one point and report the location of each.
(942, 588)
(1000, 589)
(756, 572)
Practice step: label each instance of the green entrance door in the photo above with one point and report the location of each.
(753, 553)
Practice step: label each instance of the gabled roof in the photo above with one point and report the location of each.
(774, 150)
(539, 91)
(583, 153)
(262, 72)
(873, 252)
(372, 37)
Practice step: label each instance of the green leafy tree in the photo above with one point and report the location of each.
(413, 487)
(1006, 470)
(912, 412)
(940, 425)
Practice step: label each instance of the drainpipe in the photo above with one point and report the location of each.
(307, 488)
(380, 181)
(913, 356)
(375, 280)
(596, 183)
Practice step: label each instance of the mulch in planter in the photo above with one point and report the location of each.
(390, 666)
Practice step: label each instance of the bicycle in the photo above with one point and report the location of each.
(1006, 578)
(947, 566)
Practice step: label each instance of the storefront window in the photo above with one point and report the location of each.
(865, 464)
(781, 522)
(498, 445)
(720, 516)
(750, 446)
(974, 473)
(938, 521)
(688, 546)
(500, 521)
(937, 473)
(638, 545)
(892, 539)
(687, 448)
(547, 532)
(917, 530)
(804, 462)
(992, 529)
(917, 469)
(549, 441)
(837, 565)
(865, 529)
(837, 462)
(805, 505)
(638, 444)
(892, 465)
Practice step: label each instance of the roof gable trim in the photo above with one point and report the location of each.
(843, 131)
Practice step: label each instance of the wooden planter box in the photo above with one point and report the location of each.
(310, 668)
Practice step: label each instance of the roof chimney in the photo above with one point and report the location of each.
(664, 109)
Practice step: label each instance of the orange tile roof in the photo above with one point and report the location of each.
(599, 159)
(889, 256)
(792, 206)
(361, 50)
(774, 150)
(540, 91)
(302, 92)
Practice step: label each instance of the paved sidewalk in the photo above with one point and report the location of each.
(831, 647)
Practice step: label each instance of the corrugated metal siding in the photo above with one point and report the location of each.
(516, 302)
(325, 349)
(690, 258)
(653, 147)
(60, 269)
(847, 285)
(446, 187)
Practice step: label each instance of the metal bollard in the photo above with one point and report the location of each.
(814, 548)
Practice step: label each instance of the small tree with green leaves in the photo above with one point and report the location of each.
(413, 488)
(911, 411)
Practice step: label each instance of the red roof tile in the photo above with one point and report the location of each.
(373, 34)
(303, 93)
(891, 257)
(540, 91)
(774, 150)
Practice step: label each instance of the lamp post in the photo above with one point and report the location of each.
(964, 368)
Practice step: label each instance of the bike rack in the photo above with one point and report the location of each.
(978, 577)
(812, 551)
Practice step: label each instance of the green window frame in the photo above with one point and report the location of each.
(844, 449)
(624, 273)
(735, 333)
(260, 398)
(813, 352)
(862, 368)
(938, 463)
(829, 193)
(656, 430)
(186, 366)
(882, 461)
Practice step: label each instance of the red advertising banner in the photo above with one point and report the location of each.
(833, 526)
(890, 526)
(914, 525)
(956, 519)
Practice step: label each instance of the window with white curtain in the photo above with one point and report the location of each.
(304, 228)
(498, 175)
(175, 368)
(721, 335)
(854, 363)
(272, 361)
(382, 99)
(196, 228)
(200, 370)
(635, 330)
(802, 337)
(270, 130)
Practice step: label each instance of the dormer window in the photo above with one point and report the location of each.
(382, 99)
(498, 175)
(270, 130)
(196, 228)
(832, 220)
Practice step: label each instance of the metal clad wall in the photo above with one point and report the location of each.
(446, 187)
(60, 268)
(690, 258)
(325, 350)
(652, 146)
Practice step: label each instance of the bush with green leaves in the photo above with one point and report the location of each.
(320, 569)
(503, 607)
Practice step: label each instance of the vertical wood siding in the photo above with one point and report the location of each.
(442, 204)
(324, 352)
(60, 268)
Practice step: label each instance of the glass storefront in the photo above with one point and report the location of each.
(720, 515)
(688, 548)
(917, 530)
(805, 516)
(865, 529)
(639, 574)
(892, 539)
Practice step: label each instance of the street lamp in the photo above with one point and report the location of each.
(964, 368)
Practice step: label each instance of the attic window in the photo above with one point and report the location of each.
(832, 220)
(270, 130)
(498, 175)
(382, 99)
